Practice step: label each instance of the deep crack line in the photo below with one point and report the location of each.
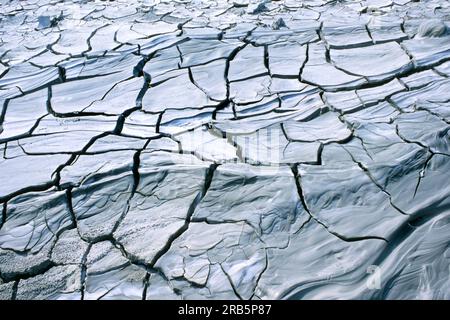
(84, 270)
(185, 226)
(4, 210)
(233, 286)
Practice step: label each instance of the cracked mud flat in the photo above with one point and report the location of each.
(225, 150)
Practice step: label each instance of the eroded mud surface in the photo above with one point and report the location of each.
(224, 149)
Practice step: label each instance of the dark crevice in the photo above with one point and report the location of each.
(135, 170)
(40, 187)
(132, 259)
(33, 271)
(14, 290)
(158, 122)
(266, 58)
(180, 231)
(369, 34)
(70, 208)
(304, 63)
(236, 292)
(84, 270)
(192, 80)
(146, 285)
(75, 155)
(266, 265)
(4, 210)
